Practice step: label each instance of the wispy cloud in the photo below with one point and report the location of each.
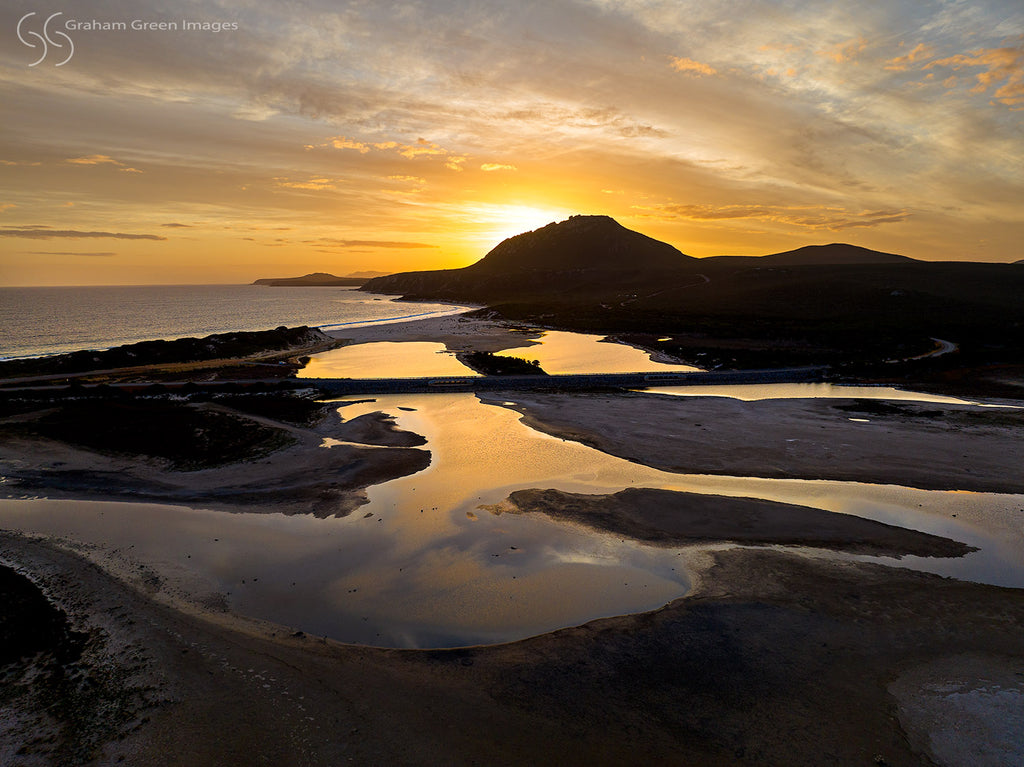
(689, 66)
(845, 51)
(45, 233)
(493, 166)
(95, 254)
(372, 243)
(918, 53)
(93, 159)
(808, 217)
(999, 65)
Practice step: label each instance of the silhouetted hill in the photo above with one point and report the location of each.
(833, 304)
(833, 254)
(315, 279)
(580, 242)
(582, 254)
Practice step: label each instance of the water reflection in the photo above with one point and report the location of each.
(386, 359)
(563, 352)
(807, 390)
(423, 565)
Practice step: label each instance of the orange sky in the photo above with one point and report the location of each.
(342, 137)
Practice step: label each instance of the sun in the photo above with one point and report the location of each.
(493, 223)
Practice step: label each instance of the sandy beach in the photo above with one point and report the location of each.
(455, 331)
(785, 649)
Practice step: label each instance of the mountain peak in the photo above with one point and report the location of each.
(580, 242)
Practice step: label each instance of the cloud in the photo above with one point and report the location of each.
(690, 66)
(1004, 65)
(340, 142)
(373, 243)
(93, 159)
(421, 148)
(903, 63)
(809, 216)
(6, 206)
(846, 51)
(492, 166)
(42, 232)
(313, 184)
(175, 225)
(98, 254)
(18, 162)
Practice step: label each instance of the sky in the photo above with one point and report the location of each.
(274, 139)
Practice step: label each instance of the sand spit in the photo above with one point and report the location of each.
(924, 445)
(456, 332)
(671, 518)
(776, 659)
(302, 478)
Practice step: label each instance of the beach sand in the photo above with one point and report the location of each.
(456, 332)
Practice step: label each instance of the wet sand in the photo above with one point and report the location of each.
(775, 659)
(925, 445)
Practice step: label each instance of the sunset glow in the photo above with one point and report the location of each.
(343, 137)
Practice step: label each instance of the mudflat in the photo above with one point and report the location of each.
(774, 659)
(924, 445)
(672, 518)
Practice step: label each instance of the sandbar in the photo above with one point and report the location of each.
(923, 445)
(672, 518)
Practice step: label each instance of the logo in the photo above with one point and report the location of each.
(45, 40)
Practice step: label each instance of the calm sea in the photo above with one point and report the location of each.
(37, 321)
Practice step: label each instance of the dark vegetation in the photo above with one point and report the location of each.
(188, 436)
(29, 624)
(834, 304)
(296, 410)
(182, 350)
(490, 364)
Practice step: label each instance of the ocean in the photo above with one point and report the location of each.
(41, 321)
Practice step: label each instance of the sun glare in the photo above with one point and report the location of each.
(499, 222)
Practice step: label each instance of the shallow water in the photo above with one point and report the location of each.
(386, 359)
(563, 352)
(807, 390)
(424, 566)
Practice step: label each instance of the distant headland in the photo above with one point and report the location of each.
(320, 279)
